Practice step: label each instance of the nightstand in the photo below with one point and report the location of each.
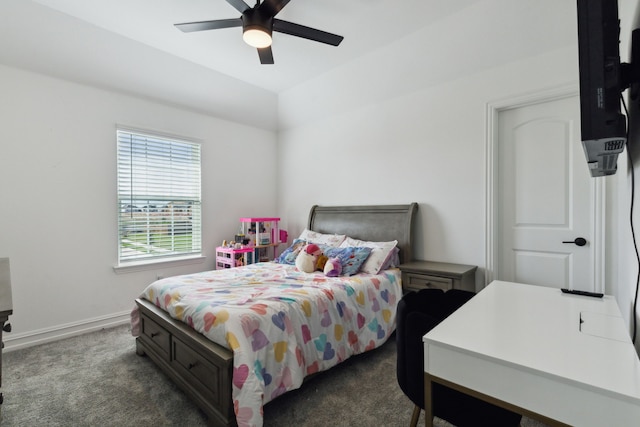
(418, 275)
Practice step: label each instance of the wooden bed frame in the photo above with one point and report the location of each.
(203, 369)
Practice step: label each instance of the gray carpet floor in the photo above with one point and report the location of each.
(97, 379)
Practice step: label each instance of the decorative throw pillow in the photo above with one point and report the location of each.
(379, 254)
(289, 255)
(322, 239)
(393, 260)
(351, 258)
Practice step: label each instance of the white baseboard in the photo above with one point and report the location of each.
(18, 341)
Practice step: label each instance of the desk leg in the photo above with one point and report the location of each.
(428, 401)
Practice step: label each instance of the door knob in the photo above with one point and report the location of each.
(579, 241)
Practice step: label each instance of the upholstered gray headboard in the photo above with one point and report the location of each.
(377, 223)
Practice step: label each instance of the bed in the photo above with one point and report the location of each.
(248, 366)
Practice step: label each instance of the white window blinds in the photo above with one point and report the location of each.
(159, 206)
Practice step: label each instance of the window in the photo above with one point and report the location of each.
(159, 206)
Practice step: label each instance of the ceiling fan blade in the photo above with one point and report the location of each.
(306, 32)
(239, 5)
(272, 7)
(266, 55)
(189, 27)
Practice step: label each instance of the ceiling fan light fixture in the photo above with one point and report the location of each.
(256, 36)
(258, 23)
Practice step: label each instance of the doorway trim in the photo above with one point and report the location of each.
(598, 187)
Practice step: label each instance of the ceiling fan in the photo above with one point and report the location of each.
(258, 23)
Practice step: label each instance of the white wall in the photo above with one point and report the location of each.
(427, 147)
(366, 143)
(58, 192)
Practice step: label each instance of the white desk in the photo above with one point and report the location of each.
(522, 347)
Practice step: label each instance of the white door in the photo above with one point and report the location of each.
(545, 198)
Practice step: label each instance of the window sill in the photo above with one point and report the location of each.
(132, 267)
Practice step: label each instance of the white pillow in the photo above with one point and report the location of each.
(322, 239)
(380, 252)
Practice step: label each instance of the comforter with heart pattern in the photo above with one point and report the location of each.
(281, 324)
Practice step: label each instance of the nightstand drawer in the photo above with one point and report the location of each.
(419, 274)
(415, 282)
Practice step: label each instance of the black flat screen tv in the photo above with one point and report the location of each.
(633, 98)
(602, 81)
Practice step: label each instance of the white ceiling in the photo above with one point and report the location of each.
(365, 24)
(133, 47)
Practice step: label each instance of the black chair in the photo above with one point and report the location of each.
(418, 313)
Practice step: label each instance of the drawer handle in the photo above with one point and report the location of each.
(192, 365)
(154, 334)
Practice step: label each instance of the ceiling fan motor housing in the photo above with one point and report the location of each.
(254, 19)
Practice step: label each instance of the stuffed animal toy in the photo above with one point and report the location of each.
(314, 249)
(333, 267)
(308, 257)
(320, 263)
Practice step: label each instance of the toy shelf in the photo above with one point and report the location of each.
(253, 243)
(230, 257)
(263, 233)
